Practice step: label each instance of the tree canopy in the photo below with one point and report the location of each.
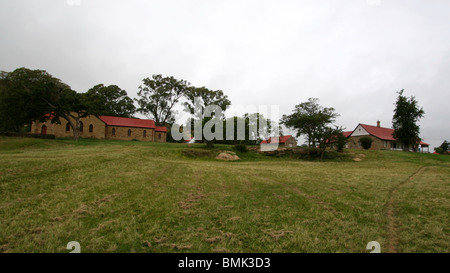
(198, 100)
(110, 101)
(312, 120)
(27, 95)
(157, 97)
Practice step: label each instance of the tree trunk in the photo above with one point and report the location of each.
(76, 133)
(309, 145)
(75, 128)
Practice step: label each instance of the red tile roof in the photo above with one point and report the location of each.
(280, 140)
(128, 122)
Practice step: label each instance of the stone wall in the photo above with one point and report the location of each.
(160, 136)
(377, 144)
(99, 130)
(60, 130)
(290, 143)
(121, 133)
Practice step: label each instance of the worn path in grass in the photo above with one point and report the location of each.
(393, 238)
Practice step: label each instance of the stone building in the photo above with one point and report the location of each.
(105, 127)
(382, 138)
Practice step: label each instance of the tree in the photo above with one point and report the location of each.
(252, 129)
(21, 94)
(27, 95)
(158, 96)
(341, 140)
(406, 115)
(110, 101)
(310, 119)
(326, 137)
(444, 146)
(71, 106)
(198, 98)
(366, 142)
(443, 149)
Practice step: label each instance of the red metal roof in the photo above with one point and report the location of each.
(160, 129)
(379, 132)
(281, 139)
(347, 134)
(384, 133)
(128, 122)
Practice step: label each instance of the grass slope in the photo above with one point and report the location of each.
(119, 196)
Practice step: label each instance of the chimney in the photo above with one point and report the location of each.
(378, 123)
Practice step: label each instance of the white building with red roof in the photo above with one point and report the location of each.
(382, 138)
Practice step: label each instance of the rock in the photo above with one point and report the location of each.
(227, 156)
(357, 159)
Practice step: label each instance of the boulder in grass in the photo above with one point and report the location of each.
(227, 156)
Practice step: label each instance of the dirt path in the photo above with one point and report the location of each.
(392, 246)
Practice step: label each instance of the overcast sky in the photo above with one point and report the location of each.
(354, 55)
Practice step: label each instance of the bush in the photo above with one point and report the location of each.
(241, 148)
(366, 142)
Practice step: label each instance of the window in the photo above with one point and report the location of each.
(385, 144)
(159, 136)
(81, 126)
(145, 133)
(67, 127)
(129, 132)
(113, 131)
(91, 128)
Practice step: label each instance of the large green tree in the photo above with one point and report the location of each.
(197, 101)
(72, 107)
(407, 114)
(327, 137)
(158, 96)
(110, 101)
(312, 120)
(249, 129)
(27, 95)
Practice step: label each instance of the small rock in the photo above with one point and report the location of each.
(227, 156)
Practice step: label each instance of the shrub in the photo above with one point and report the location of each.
(241, 148)
(366, 142)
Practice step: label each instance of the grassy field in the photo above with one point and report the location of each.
(119, 196)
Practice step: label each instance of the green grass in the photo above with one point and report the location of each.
(131, 196)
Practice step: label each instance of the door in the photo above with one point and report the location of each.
(44, 130)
